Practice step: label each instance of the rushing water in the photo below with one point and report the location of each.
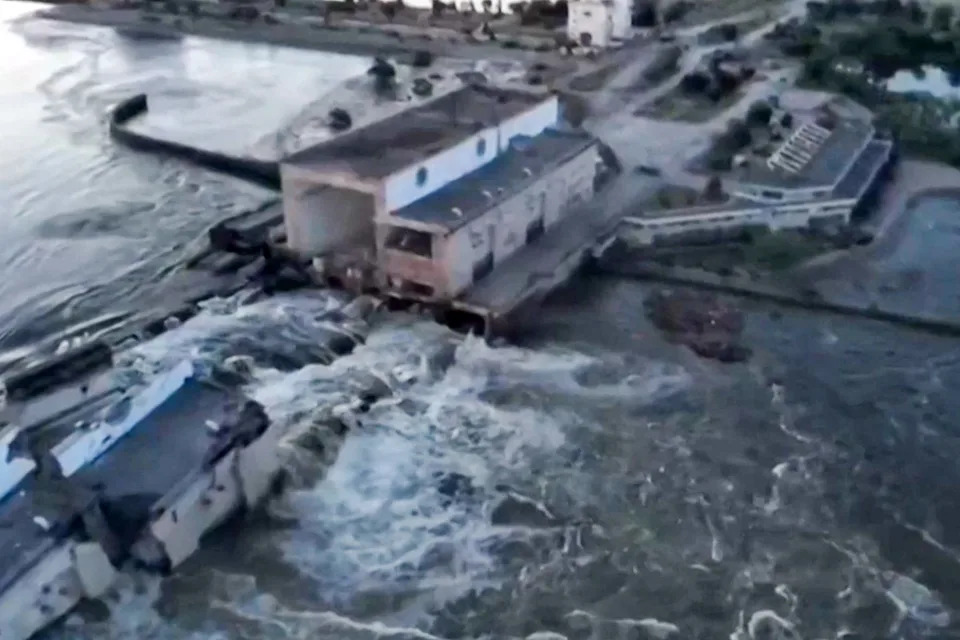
(592, 482)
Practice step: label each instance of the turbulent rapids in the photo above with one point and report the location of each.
(591, 483)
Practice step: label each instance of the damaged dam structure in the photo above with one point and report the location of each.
(77, 508)
(262, 172)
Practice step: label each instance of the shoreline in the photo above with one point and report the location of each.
(342, 40)
(914, 181)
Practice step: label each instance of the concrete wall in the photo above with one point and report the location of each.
(503, 229)
(646, 230)
(401, 188)
(320, 219)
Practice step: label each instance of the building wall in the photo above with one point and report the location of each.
(320, 219)
(402, 188)
(646, 230)
(593, 18)
(775, 195)
(503, 229)
(622, 10)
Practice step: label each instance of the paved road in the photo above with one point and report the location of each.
(670, 145)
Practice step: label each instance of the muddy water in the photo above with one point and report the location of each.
(591, 482)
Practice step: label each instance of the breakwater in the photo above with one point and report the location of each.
(620, 264)
(265, 173)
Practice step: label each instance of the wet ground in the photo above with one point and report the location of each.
(589, 482)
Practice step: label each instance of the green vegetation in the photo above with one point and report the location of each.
(780, 251)
(854, 48)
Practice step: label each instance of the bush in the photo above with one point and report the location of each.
(759, 113)
(422, 58)
(713, 191)
(695, 82)
(676, 11)
(738, 134)
(644, 15)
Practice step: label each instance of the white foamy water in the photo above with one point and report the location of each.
(376, 539)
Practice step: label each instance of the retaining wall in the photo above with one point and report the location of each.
(622, 266)
(263, 172)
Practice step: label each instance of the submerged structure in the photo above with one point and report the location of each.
(76, 505)
(474, 203)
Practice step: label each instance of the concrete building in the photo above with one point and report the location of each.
(598, 23)
(819, 175)
(436, 197)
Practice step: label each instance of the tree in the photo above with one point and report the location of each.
(695, 82)
(915, 12)
(389, 10)
(713, 191)
(890, 7)
(786, 120)
(422, 58)
(759, 113)
(942, 17)
(644, 15)
(675, 11)
(383, 74)
(487, 5)
(729, 31)
(436, 8)
(738, 134)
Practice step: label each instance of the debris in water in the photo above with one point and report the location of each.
(702, 322)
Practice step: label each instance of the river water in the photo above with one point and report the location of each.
(608, 485)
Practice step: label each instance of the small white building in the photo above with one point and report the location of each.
(439, 194)
(598, 23)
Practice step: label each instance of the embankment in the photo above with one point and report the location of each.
(262, 172)
(913, 181)
(619, 264)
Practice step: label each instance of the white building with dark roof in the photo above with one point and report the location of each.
(819, 175)
(438, 196)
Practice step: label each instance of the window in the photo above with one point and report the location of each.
(421, 176)
(481, 147)
(483, 267)
(534, 230)
(409, 241)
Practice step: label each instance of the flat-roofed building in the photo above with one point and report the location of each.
(819, 175)
(442, 193)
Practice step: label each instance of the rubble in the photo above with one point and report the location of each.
(702, 322)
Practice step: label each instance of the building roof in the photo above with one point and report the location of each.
(403, 139)
(866, 166)
(826, 165)
(467, 198)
